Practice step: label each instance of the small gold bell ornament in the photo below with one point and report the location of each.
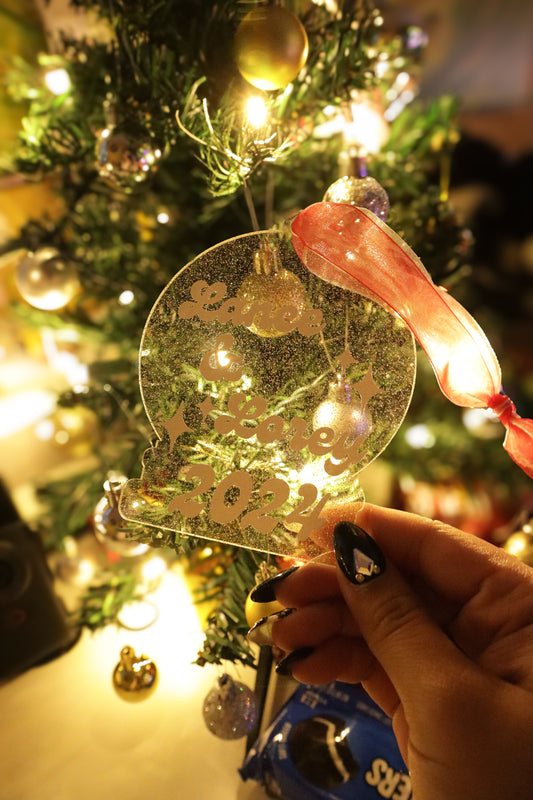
(134, 677)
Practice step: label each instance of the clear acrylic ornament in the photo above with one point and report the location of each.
(269, 390)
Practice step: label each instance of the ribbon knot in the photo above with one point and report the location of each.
(503, 407)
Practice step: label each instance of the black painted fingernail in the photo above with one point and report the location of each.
(284, 666)
(266, 591)
(261, 632)
(357, 553)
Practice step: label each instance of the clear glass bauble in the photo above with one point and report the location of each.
(341, 411)
(46, 280)
(363, 192)
(110, 527)
(126, 156)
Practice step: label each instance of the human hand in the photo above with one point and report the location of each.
(440, 636)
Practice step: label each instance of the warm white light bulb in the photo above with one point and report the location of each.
(256, 111)
(223, 358)
(154, 569)
(57, 80)
(419, 436)
(368, 129)
(126, 297)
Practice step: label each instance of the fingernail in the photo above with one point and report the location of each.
(357, 553)
(261, 632)
(266, 591)
(284, 666)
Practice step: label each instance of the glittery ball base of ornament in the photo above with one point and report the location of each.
(271, 47)
(46, 280)
(281, 288)
(266, 400)
(230, 709)
(363, 192)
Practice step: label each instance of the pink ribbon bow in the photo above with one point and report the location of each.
(351, 247)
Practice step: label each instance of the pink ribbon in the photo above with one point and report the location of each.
(352, 248)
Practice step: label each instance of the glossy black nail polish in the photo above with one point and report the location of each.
(261, 632)
(284, 666)
(266, 591)
(357, 553)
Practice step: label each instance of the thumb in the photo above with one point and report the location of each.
(406, 641)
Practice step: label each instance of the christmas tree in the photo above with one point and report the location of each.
(166, 130)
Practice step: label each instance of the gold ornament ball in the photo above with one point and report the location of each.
(362, 192)
(256, 611)
(271, 47)
(134, 677)
(46, 280)
(280, 288)
(72, 429)
(520, 545)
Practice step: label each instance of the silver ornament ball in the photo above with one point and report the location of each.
(362, 192)
(110, 528)
(230, 709)
(342, 412)
(46, 280)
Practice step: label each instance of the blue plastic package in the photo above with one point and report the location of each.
(329, 743)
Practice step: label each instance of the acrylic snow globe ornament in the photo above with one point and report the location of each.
(264, 412)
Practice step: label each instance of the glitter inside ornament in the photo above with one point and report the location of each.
(240, 455)
(364, 192)
(46, 280)
(230, 709)
(271, 47)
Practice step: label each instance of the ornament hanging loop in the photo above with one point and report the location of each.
(265, 261)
